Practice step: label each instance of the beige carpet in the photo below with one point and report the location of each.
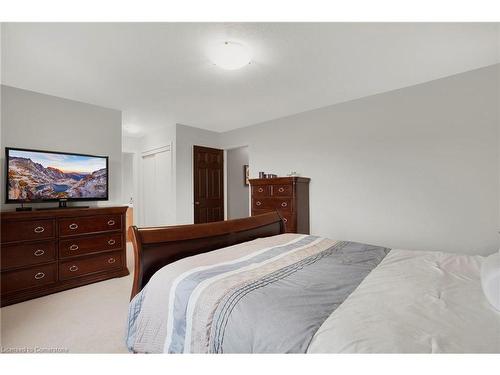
(89, 319)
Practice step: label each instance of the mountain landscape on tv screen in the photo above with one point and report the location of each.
(29, 180)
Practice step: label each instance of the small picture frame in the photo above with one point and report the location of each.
(246, 175)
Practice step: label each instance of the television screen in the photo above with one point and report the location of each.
(34, 175)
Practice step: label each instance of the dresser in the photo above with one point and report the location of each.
(47, 251)
(287, 195)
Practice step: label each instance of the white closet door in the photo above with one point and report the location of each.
(157, 187)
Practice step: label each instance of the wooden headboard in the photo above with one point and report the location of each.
(159, 246)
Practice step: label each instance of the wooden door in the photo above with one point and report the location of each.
(208, 184)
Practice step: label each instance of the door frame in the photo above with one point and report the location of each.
(135, 190)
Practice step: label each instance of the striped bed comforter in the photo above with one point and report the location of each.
(269, 295)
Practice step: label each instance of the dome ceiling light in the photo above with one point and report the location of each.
(229, 55)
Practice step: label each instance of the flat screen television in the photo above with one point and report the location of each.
(44, 176)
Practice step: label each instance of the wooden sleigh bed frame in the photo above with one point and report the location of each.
(155, 247)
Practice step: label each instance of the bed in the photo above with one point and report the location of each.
(245, 286)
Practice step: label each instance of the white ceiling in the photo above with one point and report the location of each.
(158, 73)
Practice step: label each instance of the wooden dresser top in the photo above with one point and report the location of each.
(63, 212)
(279, 180)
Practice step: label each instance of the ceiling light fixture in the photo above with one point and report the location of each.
(229, 55)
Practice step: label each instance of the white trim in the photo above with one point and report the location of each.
(224, 170)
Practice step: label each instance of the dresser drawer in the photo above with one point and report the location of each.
(289, 219)
(29, 278)
(89, 224)
(290, 229)
(282, 190)
(27, 230)
(27, 254)
(261, 191)
(97, 263)
(85, 245)
(284, 204)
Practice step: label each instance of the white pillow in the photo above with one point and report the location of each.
(490, 279)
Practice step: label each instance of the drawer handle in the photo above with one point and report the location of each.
(111, 242)
(38, 252)
(111, 222)
(258, 203)
(285, 219)
(260, 190)
(73, 226)
(73, 268)
(284, 204)
(39, 229)
(39, 275)
(73, 247)
(111, 260)
(281, 190)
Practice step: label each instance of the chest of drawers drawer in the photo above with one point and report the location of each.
(289, 219)
(27, 278)
(28, 230)
(281, 190)
(284, 204)
(97, 263)
(13, 256)
(89, 224)
(261, 191)
(86, 245)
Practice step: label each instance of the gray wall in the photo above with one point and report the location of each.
(415, 168)
(38, 121)
(237, 191)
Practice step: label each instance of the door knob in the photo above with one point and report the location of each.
(196, 203)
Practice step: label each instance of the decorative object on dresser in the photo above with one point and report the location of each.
(287, 195)
(246, 175)
(44, 252)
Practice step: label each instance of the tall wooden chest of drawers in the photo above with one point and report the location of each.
(44, 252)
(288, 195)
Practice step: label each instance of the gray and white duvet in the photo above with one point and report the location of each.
(269, 295)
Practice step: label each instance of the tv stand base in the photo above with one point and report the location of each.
(63, 203)
(60, 208)
(22, 208)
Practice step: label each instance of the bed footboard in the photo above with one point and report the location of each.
(155, 247)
